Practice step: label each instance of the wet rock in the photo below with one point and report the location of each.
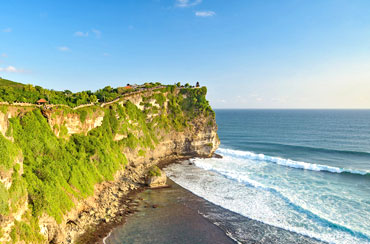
(215, 155)
(157, 181)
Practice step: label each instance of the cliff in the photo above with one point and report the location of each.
(63, 170)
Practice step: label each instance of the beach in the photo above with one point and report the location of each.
(165, 216)
(175, 215)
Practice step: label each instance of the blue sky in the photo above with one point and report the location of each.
(250, 53)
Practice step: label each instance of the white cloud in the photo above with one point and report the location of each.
(81, 34)
(7, 29)
(63, 49)
(97, 33)
(11, 69)
(205, 13)
(187, 3)
(4, 55)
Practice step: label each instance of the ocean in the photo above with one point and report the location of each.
(297, 171)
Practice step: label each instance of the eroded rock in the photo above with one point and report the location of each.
(157, 181)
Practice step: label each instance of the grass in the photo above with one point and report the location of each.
(59, 170)
(9, 83)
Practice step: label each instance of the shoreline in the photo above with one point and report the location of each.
(127, 205)
(176, 220)
(98, 233)
(145, 201)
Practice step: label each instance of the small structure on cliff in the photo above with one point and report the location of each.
(42, 102)
(197, 85)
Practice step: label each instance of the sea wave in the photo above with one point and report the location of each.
(289, 162)
(312, 149)
(326, 230)
(244, 179)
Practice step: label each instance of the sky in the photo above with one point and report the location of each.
(249, 53)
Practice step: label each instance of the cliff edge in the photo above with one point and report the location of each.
(63, 170)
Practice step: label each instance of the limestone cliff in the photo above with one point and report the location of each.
(79, 163)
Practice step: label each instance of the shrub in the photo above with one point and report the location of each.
(141, 153)
(83, 115)
(155, 171)
(59, 169)
(4, 200)
(8, 152)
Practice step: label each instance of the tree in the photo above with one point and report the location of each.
(108, 88)
(121, 90)
(93, 99)
(29, 87)
(67, 92)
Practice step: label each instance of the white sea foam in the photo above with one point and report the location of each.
(259, 202)
(288, 162)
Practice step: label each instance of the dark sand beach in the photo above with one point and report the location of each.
(175, 215)
(164, 217)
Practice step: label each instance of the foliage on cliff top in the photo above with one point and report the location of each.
(57, 170)
(9, 83)
(16, 92)
(196, 101)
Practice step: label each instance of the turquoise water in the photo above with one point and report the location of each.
(306, 171)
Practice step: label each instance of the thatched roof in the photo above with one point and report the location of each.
(42, 101)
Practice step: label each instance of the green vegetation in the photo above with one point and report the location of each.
(154, 171)
(26, 231)
(9, 83)
(60, 169)
(55, 169)
(4, 109)
(16, 92)
(141, 153)
(83, 115)
(152, 85)
(4, 200)
(8, 152)
(196, 102)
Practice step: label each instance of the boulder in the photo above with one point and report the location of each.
(158, 180)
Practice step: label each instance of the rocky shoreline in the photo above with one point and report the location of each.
(115, 202)
(96, 215)
(96, 233)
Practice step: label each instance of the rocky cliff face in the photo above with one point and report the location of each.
(146, 128)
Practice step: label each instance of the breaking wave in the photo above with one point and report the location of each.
(288, 162)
